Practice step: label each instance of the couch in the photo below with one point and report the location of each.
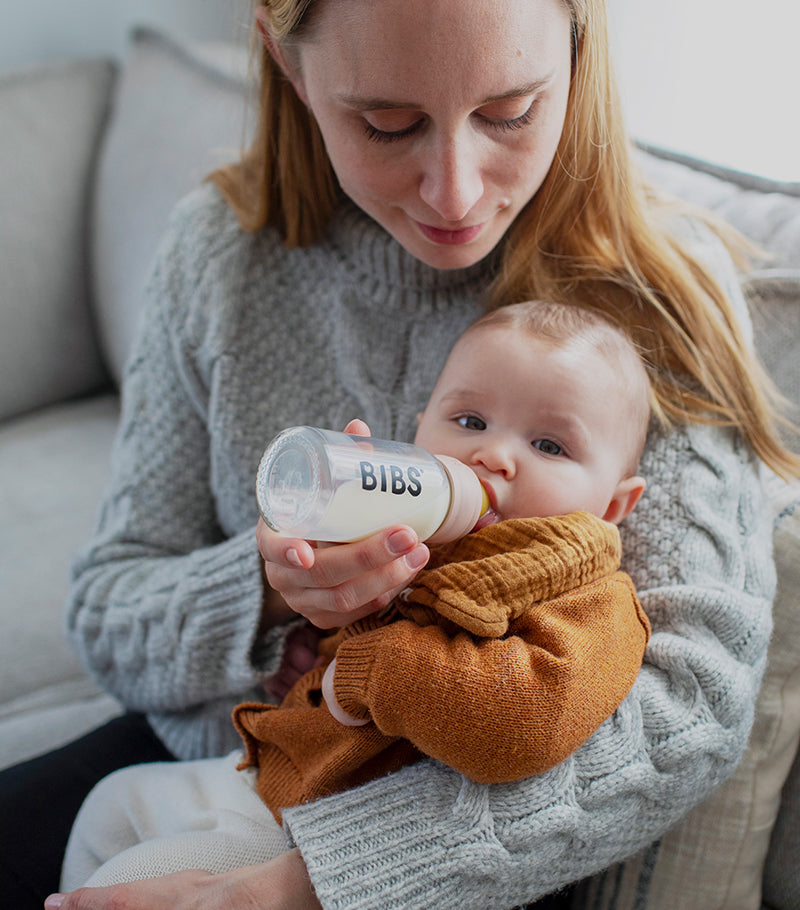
(93, 155)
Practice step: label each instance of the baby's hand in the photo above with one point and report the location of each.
(333, 705)
(299, 656)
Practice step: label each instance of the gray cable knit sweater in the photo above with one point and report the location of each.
(242, 338)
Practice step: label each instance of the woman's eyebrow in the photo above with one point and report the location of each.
(530, 88)
(373, 103)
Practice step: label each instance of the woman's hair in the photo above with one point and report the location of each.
(594, 234)
(567, 326)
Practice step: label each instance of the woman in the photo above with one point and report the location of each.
(415, 162)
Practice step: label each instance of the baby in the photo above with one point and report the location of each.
(507, 652)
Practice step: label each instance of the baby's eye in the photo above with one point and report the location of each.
(547, 446)
(471, 422)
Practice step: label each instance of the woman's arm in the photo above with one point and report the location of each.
(699, 550)
(165, 605)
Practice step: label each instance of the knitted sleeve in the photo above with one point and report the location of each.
(164, 607)
(501, 709)
(699, 550)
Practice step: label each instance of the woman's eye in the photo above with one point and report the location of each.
(509, 124)
(547, 446)
(391, 129)
(470, 422)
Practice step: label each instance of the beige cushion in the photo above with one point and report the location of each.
(782, 869)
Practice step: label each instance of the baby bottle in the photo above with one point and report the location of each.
(323, 485)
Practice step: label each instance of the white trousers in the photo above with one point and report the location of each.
(152, 819)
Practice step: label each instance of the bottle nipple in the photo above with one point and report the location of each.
(469, 501)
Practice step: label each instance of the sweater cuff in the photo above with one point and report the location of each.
(345, 841)
(224, 589)
(354, 659)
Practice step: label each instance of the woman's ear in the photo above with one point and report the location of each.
(626, 495)
(291, 72)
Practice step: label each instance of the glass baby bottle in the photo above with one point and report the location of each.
(323, 485)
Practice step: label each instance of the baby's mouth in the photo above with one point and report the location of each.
(490, 515)
(488, 518)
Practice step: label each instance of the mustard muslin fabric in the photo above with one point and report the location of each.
(507, 653)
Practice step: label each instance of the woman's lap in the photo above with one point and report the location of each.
(40, 798)
(162, 817)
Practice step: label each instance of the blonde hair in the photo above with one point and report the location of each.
(594, 235)
(566, 326)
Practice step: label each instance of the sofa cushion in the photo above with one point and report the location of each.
(766, 211)
(53, 468)
(774, 298)
(178, 114)
(782, 868)
(52, 119)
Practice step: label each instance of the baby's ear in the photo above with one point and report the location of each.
(626, 495)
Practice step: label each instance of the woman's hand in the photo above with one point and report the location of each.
(281, 884)
(336, 585)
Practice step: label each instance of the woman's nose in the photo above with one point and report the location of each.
(451, 181)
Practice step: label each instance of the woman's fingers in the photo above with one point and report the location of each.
(336, 565)
(343, 603)
(281, 884)
(335, 585)
(289, 551)
(357, 428)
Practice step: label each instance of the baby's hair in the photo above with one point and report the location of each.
(569, 325)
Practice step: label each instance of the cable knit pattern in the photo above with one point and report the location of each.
(243, 338)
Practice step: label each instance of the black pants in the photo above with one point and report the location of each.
(40, 798)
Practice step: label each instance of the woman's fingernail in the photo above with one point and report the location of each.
(54, 902)
(293, 557)
(401, 541)
(417, 558)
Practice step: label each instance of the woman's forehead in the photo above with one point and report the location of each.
(383, 47)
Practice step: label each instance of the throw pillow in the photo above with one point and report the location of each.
(179, 113)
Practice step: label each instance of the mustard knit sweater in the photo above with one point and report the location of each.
(508, 652)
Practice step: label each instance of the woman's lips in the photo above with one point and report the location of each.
(450, 237)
